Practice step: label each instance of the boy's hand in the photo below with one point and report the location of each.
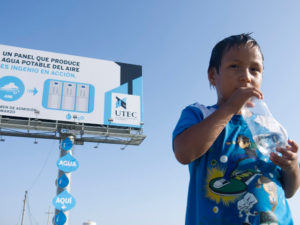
(241, 96)
(289, 159)
(290, 167)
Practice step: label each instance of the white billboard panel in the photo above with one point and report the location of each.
(52, 86)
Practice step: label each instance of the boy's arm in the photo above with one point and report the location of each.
(290, 168)
(196, 140)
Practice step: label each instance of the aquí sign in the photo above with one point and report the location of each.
(64, 201)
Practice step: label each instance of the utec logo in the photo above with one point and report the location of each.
(121, 102)
(122, 109)
(125, 109)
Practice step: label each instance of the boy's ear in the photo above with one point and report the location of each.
(212, 76)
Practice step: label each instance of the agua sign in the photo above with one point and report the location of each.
(67, 163)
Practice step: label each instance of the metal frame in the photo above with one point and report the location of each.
(47, 129)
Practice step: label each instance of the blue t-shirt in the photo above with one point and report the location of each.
(232, 183)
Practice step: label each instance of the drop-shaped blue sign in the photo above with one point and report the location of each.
(11, 88)
(60, 218)
(67, 163)
(63, 181)
(68, 116)
(64, 201)
(66, 144)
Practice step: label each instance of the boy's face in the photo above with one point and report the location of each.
(241, 66)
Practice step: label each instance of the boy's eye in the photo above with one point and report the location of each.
(254, 69)
(234, 66)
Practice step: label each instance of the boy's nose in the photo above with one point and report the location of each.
(245, 76)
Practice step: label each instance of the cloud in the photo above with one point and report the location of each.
(9, 87)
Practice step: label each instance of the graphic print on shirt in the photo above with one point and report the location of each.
(267, 218)
(230, 184)
(215, 173)
(245, 205)
(271, 188)
(233, 181)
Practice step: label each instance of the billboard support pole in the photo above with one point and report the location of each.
(63, 136)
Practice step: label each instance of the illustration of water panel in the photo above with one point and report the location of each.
(68, 96)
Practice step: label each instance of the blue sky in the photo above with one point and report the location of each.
(172, 40)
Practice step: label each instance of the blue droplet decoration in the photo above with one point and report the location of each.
(68, 116)
(63, 181)
(60, 218)
(66, 144)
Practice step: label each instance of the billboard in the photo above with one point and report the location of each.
(52, 86)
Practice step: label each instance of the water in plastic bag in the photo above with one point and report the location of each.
(266, 131)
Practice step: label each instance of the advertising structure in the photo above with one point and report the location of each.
(59, 87)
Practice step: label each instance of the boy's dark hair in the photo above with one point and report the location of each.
(227, 43)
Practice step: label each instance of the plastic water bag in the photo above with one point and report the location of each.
(266, 131)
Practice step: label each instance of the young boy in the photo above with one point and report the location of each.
(231, 183)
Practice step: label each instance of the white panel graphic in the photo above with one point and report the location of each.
(82, 98)
(68, 99)
(54, 97)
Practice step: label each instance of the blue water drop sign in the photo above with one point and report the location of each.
(63, 181)
(67, 163)
(60, 218)
(66, 144)
(11, 88)
(64, 201)
(68, 116)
